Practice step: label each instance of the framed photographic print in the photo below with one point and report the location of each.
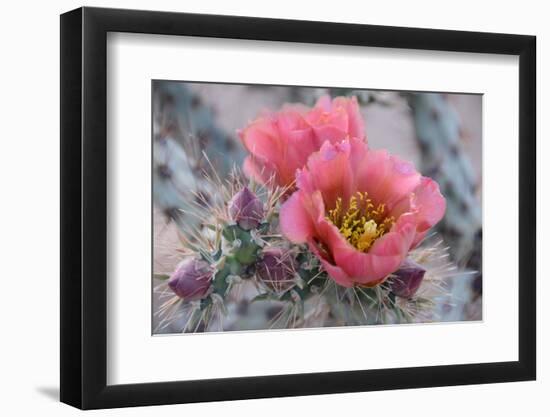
(257, 208)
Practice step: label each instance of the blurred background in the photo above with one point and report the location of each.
(440, 133)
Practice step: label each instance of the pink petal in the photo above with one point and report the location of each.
(356, 126)
(329, 234)
(365, 268)
(331, 126)
(386, 178)
(290, 119)
(383, 258)
(295, 221)
(430, 205)
(324, 104)
(334, 271)
(261, 138)
(399, 240)
(301, 144)
(331, 173)
(330, 133)
(359, 267)
(304, 181)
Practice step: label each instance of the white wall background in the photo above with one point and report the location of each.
(29, 219)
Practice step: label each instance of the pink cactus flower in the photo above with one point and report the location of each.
(360, 211)
(280, 143)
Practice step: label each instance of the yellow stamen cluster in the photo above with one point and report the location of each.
(360, 222)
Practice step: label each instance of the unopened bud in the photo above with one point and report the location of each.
(407, 279)
(277, 269)
(191, 279)
(246, 209)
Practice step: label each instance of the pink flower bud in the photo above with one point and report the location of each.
(277, 269)
(407, 279)
(246, 209)
(191, 279)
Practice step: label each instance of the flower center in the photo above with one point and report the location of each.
(361, 222)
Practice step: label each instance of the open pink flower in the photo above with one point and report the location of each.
(360, 211)
(280, 143)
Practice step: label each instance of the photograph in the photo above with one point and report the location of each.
(270, 209)
(296, 207)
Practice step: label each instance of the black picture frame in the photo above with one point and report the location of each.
(84, 207)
